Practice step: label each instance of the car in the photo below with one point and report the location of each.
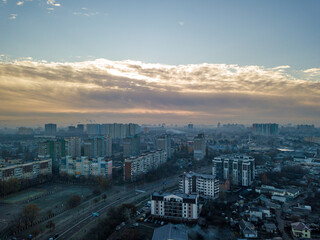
(162, 222)
(136, 224)
(95, 214)
(146, 220)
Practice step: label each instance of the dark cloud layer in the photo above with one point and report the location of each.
(37, 92)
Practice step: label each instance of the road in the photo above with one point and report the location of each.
(79, 221)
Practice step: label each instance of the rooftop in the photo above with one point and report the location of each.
(170, 231)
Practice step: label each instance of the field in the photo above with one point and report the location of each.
(47, 197)
(23, 196)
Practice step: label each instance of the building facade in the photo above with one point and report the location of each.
(30, 170)
(238, 169)
(131, 146)
(50, 129)
(202, 184)
(136, 166)
(73, 147)
(265, 129)
(164, 143)
(199, 147)
(98, 146)
(175, 206)
(84, 166)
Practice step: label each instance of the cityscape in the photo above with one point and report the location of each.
(159, 120)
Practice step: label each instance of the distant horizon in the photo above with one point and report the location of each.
(167, 125)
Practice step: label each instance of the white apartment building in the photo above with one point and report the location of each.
(135, 166)
(30, 170)
(84, 166)
(202, 184)
(175, 206)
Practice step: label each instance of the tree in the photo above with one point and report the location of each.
(96, 192)
(73, 201)
(30, 213)
(104, 196)
(96, 200)
(264, 178)
(49, 213)
(104, 184)
(51, 225)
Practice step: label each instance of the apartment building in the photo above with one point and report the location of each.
(175, 206)
(199, 147)
(265, 129)
(84, 166)
(135, 166)
(203, 184)
(98, 146)
(239, 169)
(164, 143)
(30, 170)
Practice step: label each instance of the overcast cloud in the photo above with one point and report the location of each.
(130, 91)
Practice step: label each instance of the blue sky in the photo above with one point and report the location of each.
(267, 33)
(172, 61)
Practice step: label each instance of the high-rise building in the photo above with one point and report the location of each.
(54, 149)
(80, 128)
(98, 146)
(131, 146)
(199, 147)
(175, 206)
(85, 166)
(238, 169)
(164, 143)
(73, 147)
(50, 129)
(265, 129)
(190, 126)
(137, 166)
(93, 129)
(203, 184)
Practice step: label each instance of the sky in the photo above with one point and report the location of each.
(169, 61)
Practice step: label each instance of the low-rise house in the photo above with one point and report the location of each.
(293, 193)
(270, 227)
(279, 199)
(300, 230)
(259, 212)
(248, 229)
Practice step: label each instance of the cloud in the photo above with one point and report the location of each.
(313, 72)
(86, 12)
(141, 92)
(53, 3)
(4, 1)
(181, 23)
(282, 67)
(13, 16)
(20, 3)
